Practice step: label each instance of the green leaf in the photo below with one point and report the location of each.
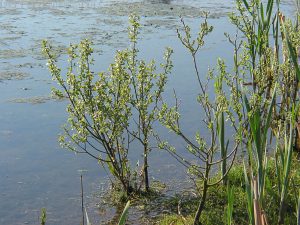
(269, 115)
(111, 168)
(124, 215)
(246, 5)
(269, 12)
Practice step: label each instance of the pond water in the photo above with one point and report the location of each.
(34, 171)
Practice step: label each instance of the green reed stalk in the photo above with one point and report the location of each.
(223, 146)
(298, 211)
(230, 199)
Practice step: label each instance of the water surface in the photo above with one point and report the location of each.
(34, 171)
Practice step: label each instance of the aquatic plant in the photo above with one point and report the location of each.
(147, 87)
(283, 159)
(109, 112)
(261, 65)
(257, 153)
(266, 67)
(43, 216)
(216, 207)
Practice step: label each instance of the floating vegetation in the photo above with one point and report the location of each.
(158, 9)
(12, 53)
(33, 2)
(32, 100)
(13, 75)
(10, 11)
(158, 23)
(36, 53)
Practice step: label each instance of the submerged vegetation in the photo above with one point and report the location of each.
(254, 107)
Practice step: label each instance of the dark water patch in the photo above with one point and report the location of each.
(6, 133)
(111, 21)
(27, 65)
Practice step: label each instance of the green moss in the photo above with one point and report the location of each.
(116, 196)
(175, 220)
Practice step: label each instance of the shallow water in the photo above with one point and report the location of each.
(34, 171)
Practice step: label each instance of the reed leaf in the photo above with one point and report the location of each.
(87, 218)
(286, 165)
(124, 215)
(249, 194)
(246, 5)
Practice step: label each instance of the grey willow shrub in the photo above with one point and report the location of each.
(147, 88)
(217, 112)
(98, 109)
(109, 112)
